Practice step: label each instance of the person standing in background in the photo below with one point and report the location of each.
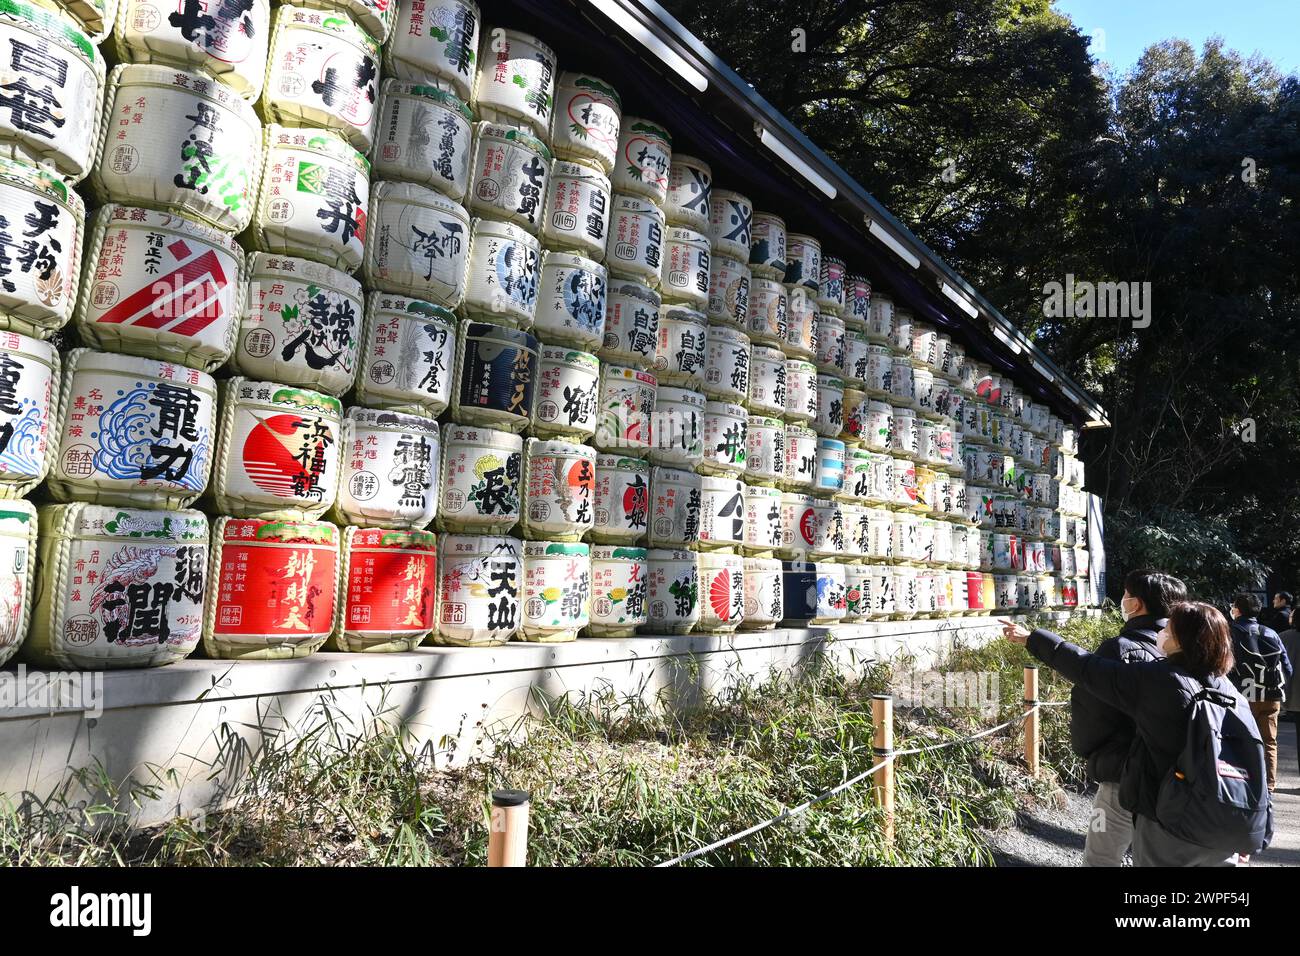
(1261, 672)
(1291, 644)
(1278, 617)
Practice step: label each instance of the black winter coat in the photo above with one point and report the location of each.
(1156, 694)
(1099, 732)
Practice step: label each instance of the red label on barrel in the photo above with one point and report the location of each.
(391, 583)
(274, 578)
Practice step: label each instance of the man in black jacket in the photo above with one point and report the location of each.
(1278, 617)
(1262, 673)
(1103, 734)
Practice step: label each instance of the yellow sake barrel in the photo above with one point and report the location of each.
(160, 286)
(117, 587)
(323, 70)
(419, 244)
(389, 590)
(53, 81)
(37, 293)
(29, 394)
(274, 590)
(278, 451)
(135, 431)
(390, 470)
(436, 40)
(409, 355)
(95, 17)
(425, 136)
(376, 17)
(301, 324)
(17, 549)
(227, 39)
(313, 199)
(173, 139)
(516, 79)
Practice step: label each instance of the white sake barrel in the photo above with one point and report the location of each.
(881, 579)
(557, 590)
(801, 324)
(902, 381)
(94, 17)
(857, 592)
(942, 363)
(800, 457)
(857, 529)
(585, 124)
(828, 478)
(634, 249)
(424, 135)
(418, 244)
(880, 534)
(161, 286)
(904, 490)
(225, 40)
(116, 587)
(764, 449)
(763, 593)
(391, 466)
(38, 293)
(923, 391)
(905, 438)
(674, 507)
(53, 74)
(559, 488)
(496, 376)
(762, 519)
(501, 281)
(516, 79)
(627, 404)
(678, 428)
(631, 324)
(314, 197)
(879, 379)
(900, 338)
(480, 586)
(767, 246)
(856, 352)
(301, 324)
(767, 385)
(376, 17)
(681, 348)
(571, 303)
(768, 314)
(800, 391)
(181, 141)
(731, 217)
(29, 405)
(685, 275)
(859, 474)
(322, 71)
(880, 323)
(673, 591)
(135, 431)
(728, 291)
(622, 499)
(436, 40)
(830, 290)
(857, 302)
(509, 175)
(17, 559)
(619, 582)
(725, 441)
(278, 450)
(644, 159)
(803, 262)
(828, 525)
(408, 355)
(829, 421)
(722, 592)
(726, 364)
(577, 211)
(389, 590)
(799, 530)
(567, 399)
(829, 335)
(482, 480)
(690, 183)
(925, 339)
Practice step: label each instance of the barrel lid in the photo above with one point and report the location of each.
(591, 84)
(635, 124)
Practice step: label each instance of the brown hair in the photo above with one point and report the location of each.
(1203, 636)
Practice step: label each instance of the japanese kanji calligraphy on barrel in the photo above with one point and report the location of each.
(504, 267)
(622, 499)
(634, 249)
(274, 589)
(673, 591)
(801, 324)
(627, 404)
(388, 589)
(278, 453)
(767, 246)
(690, 183)
(731, 217)
(390, 471)
(516, 79)
(301, 324)
(682, 347)
(674, 507)
(117, 587)
(577, 211)
(722, 512)
(480, 586)
(17, 567)
(586, 122)
(631, 324)
(764, 449)
(619, 583)
(38, 289)
(685, 274)
(496, 374)
(557, 590)
(482, 480)
(424, 135)
(767, 385)
(764, 606)
(831, 288)
(678, 428)
(567, 399)
(645, 156)
(509, 175)
(571, 303)
(436, 40)
(725, 441)
(728, 291)
(135, 431)
(559, 490)
(408, 355)
(418, 244)
(762, 535)
(722, 592)
(29, 405)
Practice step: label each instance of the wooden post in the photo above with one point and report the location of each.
(882, 720)
(1031, 722)
(508, 836)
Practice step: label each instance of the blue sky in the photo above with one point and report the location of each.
(1124, 28)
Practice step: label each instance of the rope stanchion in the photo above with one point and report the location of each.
(882, 720)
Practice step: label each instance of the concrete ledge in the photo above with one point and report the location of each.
(189, 730)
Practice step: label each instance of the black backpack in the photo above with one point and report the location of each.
(1216, 793)
(1257, 671)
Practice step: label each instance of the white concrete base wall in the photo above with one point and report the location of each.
(190, 729)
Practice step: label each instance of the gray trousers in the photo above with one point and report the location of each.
(1153, 845)
(1110, 829)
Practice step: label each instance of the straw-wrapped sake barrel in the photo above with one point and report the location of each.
(436, 40)
(408, 355)
(424, 135)
(29, 395)
(17, 552)
(418, 244)
(389, 589)
(390, 473)
(38, 290)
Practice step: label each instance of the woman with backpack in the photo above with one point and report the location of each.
(1193, 806)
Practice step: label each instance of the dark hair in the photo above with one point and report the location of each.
(1157, 590)
(1204, 640)
(1247, 604)
(1284, 595)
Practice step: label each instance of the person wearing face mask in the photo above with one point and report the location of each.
(1103, 734)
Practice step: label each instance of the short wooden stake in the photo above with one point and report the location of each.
(508, 838)
(882, 720)
(1031, 722)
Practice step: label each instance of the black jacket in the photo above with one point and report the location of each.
(1156, 694)
(1099, 732)
(1263, 670)
(1278, 618)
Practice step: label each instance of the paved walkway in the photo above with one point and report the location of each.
(1285, 850)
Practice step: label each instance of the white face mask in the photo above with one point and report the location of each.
(1124, 608)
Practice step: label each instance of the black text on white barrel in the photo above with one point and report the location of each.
(768, 313)
(278, 450)
(767, 246)
(29, 399)
(577, 210)
(559, 490)
(571, 301)
(586, 122)
(301, 324)
(516, 79)
(722, 512)
(178, 140)
(376, 17)
(566, 403)
(622, 499)
(635, 247)
(408, 355)
(830, 291)
(857, 301)
(690, 182)
(504, 269)
(313, 198)
(424, 135)
(725, 442)
(729, 281)
(480, 587)
(627, 404)
(731, 219)
(620, 577)
(117, 587)
(631, 324)
(389, 590)
(135, 431)
(722, 592)
(678, 428)
(673, 593)
(509, 175)
(17, 566)
(390, 471)
(685, 274)
(418, 244)
(764, 607)
(557, 590)
(767, 386)
(645, 156)
(482, 480)
(37, 294)
(160, 286)
(682, 347)
(674, 507)
(762, 534)
(436, 40)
